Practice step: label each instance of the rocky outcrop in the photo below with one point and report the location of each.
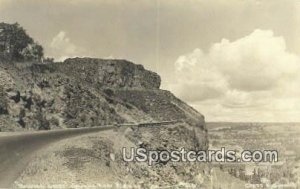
(3, 102)
(86, 92)
(104, 73)
(94, 92)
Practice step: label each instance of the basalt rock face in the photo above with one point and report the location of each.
(86, 92)
(105, 73)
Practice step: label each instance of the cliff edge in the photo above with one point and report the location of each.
(86, 92)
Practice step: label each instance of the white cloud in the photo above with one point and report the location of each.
(61, 47)
(253, 78)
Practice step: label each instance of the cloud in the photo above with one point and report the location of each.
(254, 76)
(61, 47)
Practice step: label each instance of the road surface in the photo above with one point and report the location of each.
(17, 149)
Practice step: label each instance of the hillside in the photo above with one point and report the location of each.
(86, 92)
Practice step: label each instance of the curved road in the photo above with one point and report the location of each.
(17, 149)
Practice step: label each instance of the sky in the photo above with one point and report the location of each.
(232, 60)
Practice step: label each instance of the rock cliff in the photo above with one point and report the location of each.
(86, 92)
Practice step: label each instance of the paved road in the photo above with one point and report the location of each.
(17, 149)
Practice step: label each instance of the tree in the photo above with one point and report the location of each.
(17, 45)
(33, 52)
